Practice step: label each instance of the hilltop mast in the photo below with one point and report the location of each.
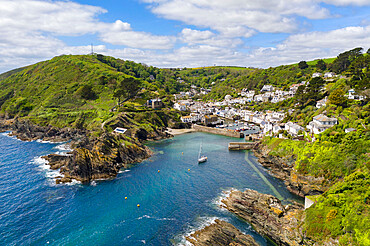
(92, 49)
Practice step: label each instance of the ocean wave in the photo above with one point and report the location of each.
(8, 134)
(124, 171)
(63, 147)
(42, 141)
(218, 200)
(154, 218)
(50, 174)
(200, 223)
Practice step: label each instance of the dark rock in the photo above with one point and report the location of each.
(268, 216)
(220, 233)
(92, 157)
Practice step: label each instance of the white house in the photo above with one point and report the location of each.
(258, 98)
(228, 97)
(320, 123)
(293, 128)
(120, 130)
(180, 106)
(278, 127)
(347, 130)
(190, 118)
(353, 96)
(267, 88)
(314, 75)
(321, 103)
(329, 75)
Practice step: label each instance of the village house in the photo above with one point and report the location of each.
(320, 123)
(353, 96)
(293, 128)
(329, 75)
(347, 130)
(210, 120)
(314, 75)
(180, 106)
(321, 103)
(267, 88)
(154, 103)
(190, 118)
(278, 127)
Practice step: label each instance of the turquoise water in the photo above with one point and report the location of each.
(173, 202)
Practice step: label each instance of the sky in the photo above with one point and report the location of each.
(183, 33)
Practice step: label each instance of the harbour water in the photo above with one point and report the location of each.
(176, 195)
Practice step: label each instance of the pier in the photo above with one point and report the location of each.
(224, 132)
(241, 145)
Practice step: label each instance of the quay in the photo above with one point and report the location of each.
(242, 146)
(218, 131)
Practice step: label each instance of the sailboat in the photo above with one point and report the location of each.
(202, 158)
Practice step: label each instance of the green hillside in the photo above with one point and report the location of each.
(77, 91)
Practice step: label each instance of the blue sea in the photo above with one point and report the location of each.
(176, 195)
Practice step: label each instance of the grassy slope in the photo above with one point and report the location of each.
(49, 92)
(343, 160)
(46, 91)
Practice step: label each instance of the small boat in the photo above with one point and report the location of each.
(202, 158)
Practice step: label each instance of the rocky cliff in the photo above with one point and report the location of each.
(266, 214)
(27, 131)
(92, 158)
(283, 168)
(220, 233)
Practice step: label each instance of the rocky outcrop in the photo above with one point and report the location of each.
(266, 214)
(92, 158)
(220, 233)
(282, 168)
(27, 131)
(100, 158)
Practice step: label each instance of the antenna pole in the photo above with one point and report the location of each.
(92, 49)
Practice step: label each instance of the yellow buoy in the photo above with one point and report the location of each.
(138, 205)
(182, 153)
(125, 197)
(188, 169)
(158, 170)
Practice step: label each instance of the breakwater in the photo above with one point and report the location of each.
(241, 146)
(224, 132)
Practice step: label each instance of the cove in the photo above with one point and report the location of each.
(173, 202)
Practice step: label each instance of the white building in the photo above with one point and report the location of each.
(190, 118)
(320, 123)
(321, 103)
(329, 75)
(314, 75)
(228, 98)
(353, 96)
(278, 127)
(293, 128)
(267, 88)
(180, 106)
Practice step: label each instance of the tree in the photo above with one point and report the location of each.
(321, 65)
(337, 97)
(127, 88)
(302, 65)
(86, 92)
(343, 60)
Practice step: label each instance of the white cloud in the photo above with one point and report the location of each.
(313, 45)
(138, 40)
(263, 15)
(30, 30)
(192, 37)
(348, 2)
(216, 37)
